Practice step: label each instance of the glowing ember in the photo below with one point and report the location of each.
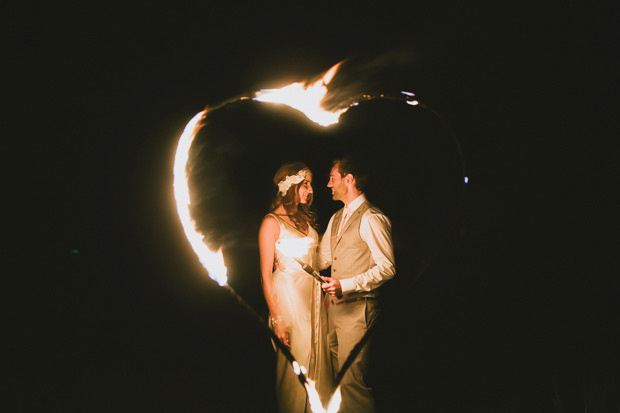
(212, 261)
(306, 99)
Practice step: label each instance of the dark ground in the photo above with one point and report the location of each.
(517, 313)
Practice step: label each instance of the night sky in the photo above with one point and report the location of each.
(517, 309)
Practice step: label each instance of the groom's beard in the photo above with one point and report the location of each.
(337, 196)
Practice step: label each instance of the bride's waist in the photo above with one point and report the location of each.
(290, 271)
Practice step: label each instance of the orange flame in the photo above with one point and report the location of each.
(313, 395)
(212, 261)
(306, 99)
(315, 402)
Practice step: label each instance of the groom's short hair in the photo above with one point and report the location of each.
(353, 166)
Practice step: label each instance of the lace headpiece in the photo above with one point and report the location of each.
(283, 186)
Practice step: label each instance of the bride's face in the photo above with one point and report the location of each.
(305, 190)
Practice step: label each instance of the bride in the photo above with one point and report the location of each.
(294, 298)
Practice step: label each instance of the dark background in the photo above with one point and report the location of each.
(112, 311)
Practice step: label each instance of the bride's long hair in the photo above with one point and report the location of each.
(300, 214)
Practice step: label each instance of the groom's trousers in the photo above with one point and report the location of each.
(348, 322)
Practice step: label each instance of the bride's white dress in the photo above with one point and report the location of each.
(302, 308)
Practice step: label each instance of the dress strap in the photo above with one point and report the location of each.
(285, 224)
(280, 220)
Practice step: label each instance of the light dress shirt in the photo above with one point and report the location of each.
(376, 231)
(345, 217)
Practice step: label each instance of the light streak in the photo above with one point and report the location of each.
(213, 262)
(409, 98)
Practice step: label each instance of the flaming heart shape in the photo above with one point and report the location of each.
(307, 99)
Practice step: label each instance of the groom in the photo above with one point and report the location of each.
(357, 244)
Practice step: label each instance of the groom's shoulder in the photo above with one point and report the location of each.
(374, 210)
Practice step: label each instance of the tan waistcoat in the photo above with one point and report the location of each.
(350, 253)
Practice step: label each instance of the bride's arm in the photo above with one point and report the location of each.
(267, 236)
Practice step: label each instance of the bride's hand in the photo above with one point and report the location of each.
(282, 333)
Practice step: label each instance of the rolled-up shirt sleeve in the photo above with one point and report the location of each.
(325, 248)
(376, 231)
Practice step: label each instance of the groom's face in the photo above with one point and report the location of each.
(336, 183)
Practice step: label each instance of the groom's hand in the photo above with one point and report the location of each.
(332, 287)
